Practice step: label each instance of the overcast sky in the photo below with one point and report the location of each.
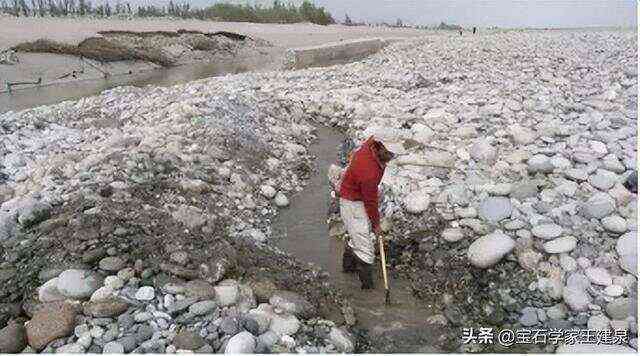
(502, 13)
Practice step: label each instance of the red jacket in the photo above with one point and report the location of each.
(361, 179)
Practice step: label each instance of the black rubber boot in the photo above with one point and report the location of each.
(349, 263)
(365, 273)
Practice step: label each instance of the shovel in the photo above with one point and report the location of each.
(383, 261)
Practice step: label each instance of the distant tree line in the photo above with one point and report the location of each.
(278, 12)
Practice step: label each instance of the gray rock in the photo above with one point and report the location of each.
(8, 224)
(603, 180)
(539, 164)
(529, 317)
(203, 307)
(250, 325)
(70, 349)
(129, 343)
(229, 325)
(578, 280)
(615, 223)
(547, 231)
(495, 209)
(269, 338)
(576, 299)
(489, 249)
(111, 264)
(557, 312)
(144, 333)
(242, 343)
(561, 245)
(78, 284)
(293, 303)
(32, 212)
(599, 206)
(458, 194)
(188, 340)
(622, 308)
(13, 338)
(524, 190)
(576, 174)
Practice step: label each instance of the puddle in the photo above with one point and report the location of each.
(304, 233)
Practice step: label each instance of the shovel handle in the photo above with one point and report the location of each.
(383, 261)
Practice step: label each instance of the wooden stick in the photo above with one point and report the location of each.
(384, 263)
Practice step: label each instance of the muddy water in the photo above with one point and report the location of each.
(20, 99)
(303, 231)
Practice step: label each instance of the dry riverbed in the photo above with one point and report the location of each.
(149, 210)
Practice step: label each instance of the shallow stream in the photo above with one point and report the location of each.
(304, 233)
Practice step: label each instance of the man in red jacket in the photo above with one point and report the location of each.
(359, 207)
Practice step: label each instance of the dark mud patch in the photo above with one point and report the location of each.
(96, 48)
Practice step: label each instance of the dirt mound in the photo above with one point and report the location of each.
(165, 48)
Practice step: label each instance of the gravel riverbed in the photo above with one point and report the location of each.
(139, 220)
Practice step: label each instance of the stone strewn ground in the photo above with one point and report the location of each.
(506, 201)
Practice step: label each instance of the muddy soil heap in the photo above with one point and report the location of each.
(506, 205)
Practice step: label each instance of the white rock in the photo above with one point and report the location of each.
(227, 295)
(452, 234)
(101, 294)
(598, 322)
(615, 223)
(78, 284)
(113, 282)
(48, 292)
(568, 263)
(113, 347)
(614, 290)
(416, 202)
(489, 249)
(598, 276)
(268, 191)
(145, 293)
(281, 200)
(576, 299)
(342, 340)
(284, 324)
(547, 231)
(561, 245)
(241, 343)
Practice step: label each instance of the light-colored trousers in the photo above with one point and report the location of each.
(356, 221)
